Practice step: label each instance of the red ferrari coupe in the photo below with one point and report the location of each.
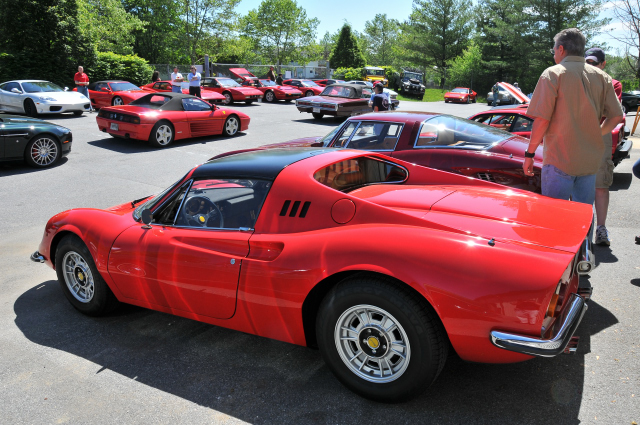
(516, 121)
(382, 264)
(435, 140)
(328, 82)
(460, 94)
(231, 90)
(162, 118)
(307, 87)
(166, 87)
(270, 90)
(113, 93)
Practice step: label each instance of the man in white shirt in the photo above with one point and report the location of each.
(194, 82)
(176, 81)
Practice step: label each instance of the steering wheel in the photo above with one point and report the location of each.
(199, 211)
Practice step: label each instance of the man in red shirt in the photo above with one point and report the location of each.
(82, 82)
(604, 177)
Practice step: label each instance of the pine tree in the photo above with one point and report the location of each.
(346, 53)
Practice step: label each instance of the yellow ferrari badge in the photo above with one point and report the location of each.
(201, 219)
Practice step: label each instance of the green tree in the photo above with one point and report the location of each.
(346, 52)
(281, 30)
(382, 35)
(467, 66)
(41, 40)
(437, 31)
(204, 24)
(159, 41)
(108, 25)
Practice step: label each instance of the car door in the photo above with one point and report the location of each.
(202, 120)
(100, 95)
(13, 101)
(189, 258)
(15, 137)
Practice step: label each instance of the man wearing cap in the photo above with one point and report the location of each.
(604, 177)
(568, 103)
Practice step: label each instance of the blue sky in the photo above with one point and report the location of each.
(333, 14)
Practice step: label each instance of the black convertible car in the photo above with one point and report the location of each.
(39, 143)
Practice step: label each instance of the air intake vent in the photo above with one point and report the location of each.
(295, 208)
(486, 177)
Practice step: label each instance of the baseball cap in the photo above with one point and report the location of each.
(595, 54)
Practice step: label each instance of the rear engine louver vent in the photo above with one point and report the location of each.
(295, 208)
(486, 177)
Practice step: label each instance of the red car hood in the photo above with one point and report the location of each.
(241, 73)
(517, 94)
(305, 142)
(247, 91)
(451, 94)
(502, 214)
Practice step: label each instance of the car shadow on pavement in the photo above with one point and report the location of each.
(604, 254)
(13, 168)
(329, 121)
(259, 380)
(621, 181)
(137, 146)
(635, 282)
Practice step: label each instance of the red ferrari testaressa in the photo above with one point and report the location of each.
(381, 264)
(162, 118)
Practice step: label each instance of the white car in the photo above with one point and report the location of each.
(33, 97)
(392, 94)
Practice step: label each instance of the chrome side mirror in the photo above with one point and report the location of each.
(16, 91)
(66, 88)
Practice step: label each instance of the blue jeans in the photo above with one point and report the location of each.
(560, 185)
(636, 169)
(176, 89)
(85, 91)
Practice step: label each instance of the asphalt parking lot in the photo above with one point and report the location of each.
(138, 366)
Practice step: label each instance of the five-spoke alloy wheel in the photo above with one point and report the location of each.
(231, 126)
(162, 134)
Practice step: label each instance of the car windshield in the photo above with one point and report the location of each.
(153, 200)
(358, 172)
(377, 72)
(309, 83)
(445, 131)
(338, 91)
(412, 75)
(326, 140)
(459, 91)
(40, 86)
(227, 82)
(155, 101)
(268, 83)
(126, 86)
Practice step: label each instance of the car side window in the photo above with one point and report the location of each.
(191, 104)
(223, 203)
(157, 86)
(11, 86)
(99, 86)
(348, 131)
(485, 119)
(375, 136)
(522, 124)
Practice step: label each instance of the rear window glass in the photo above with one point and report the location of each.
(447, 131)
(151, 102)
(358, 172)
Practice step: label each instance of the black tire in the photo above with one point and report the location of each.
(317, 115)
(162, 134)
(270, 96)
(624, 108)
(30, 108)
(488, 103)
(249, 102)
(42, 151)
(78, 113)
(416, 325)
(474, 100)
(468, 100)
(309, 93)
(228, 98)
(117, 101)
(446, 101)
(287, 100)
(231, 126)
(80, 280)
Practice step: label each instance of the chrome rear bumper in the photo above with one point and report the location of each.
(545, 347)
(586, 259)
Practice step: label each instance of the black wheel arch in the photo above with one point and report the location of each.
(56, 241)
(314, 298)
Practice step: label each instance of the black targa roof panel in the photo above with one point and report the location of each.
(260, 164)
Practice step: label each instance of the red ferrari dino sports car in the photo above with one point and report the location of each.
(162, 118)
(380, 263)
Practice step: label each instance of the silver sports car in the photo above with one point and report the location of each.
(33, 97)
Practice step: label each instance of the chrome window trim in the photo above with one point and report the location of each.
(190, 183)
(402, 124)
